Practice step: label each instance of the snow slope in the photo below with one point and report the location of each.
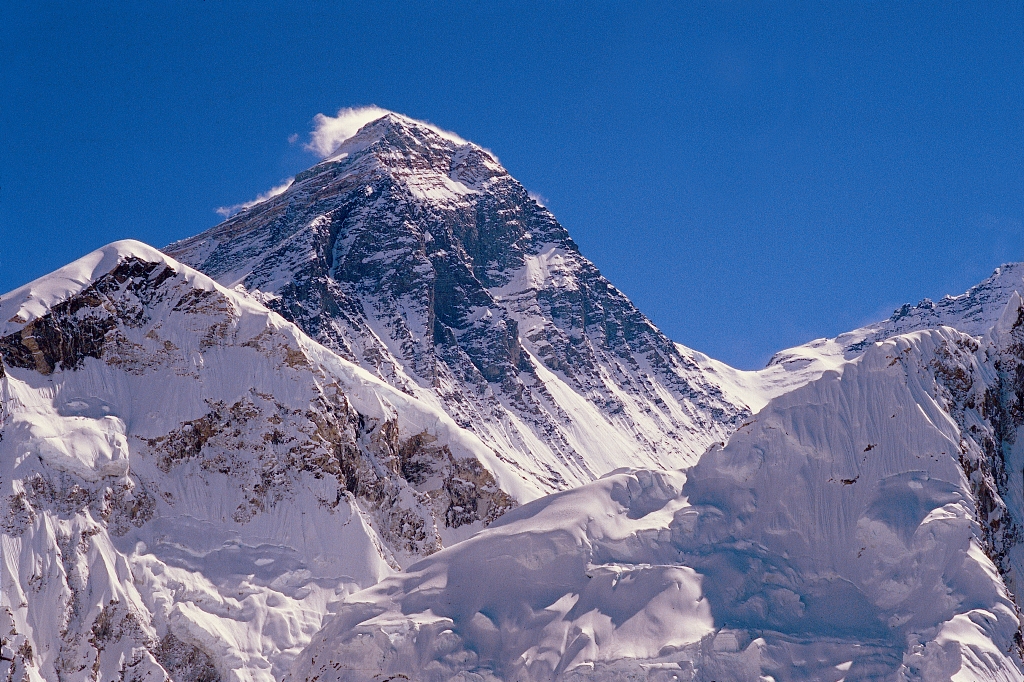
(845, 532)
(189, 483)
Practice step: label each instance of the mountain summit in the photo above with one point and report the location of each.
(417, 256)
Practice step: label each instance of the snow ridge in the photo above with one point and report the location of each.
(189, 483)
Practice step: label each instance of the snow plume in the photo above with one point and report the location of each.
(228, 211)
(330, 131)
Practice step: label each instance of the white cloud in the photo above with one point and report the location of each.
(330, 131)
(539, 198)
(228, 211)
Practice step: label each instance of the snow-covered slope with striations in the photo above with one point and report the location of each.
(188, 483)
(419, 257)
(855, 528)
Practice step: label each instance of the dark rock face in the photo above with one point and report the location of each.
(998, 479)
(185, 662)
(77, 328)
(984, 390)
(422, 260)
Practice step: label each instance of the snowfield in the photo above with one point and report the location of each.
(834, 537)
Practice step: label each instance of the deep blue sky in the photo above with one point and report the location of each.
(751, 175)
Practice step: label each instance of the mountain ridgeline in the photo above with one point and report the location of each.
(390, 424)
(422, 260)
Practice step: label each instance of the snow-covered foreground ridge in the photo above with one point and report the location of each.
(863, 526)
(191, 486)
(189, 483)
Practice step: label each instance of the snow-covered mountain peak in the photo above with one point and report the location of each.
(187, 481)
(1008, 321)
(398, 131)
(420, 258)
(431, 163)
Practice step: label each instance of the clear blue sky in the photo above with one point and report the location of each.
(751, 175)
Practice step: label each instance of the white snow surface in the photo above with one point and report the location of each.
(835, 536)
(121, 546)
